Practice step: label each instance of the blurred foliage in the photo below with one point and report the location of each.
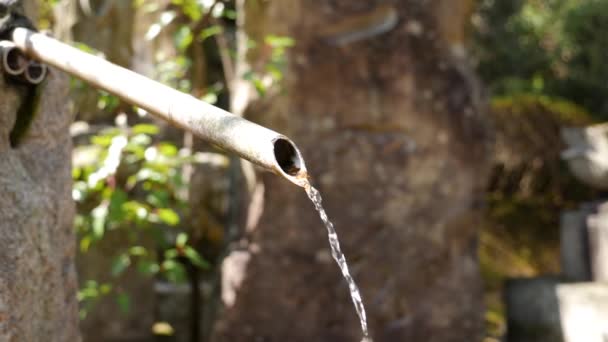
(551, 47)
(125, 180)
(529, 187)
(542, 61)
(130, 178)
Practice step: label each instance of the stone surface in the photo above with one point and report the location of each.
(574, 246)
(541, 309)
(587, 154)
(597, 227)
(533, 310)
(392, 133)
(584, 312)
(37, 243)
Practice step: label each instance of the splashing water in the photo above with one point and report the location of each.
(339, 257)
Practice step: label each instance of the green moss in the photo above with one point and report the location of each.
(560, 110)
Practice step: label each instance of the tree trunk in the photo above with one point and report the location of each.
(37, 244)
(391, 129)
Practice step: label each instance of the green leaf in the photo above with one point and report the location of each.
(183, 38)
(120, 264)
(117, 199)
(210, 32)
(181, 240)
(230, 14)
(124, 302)
(174, 271)
(136, 209)
(85, 243)
(99, 220)
(138, 251)
(168, 216)
(279, 41)
(210, 98)
(170, 265)
(158, 198)
(167, 149)
(141, 139)
(171, 253)
(149, 174)
(147, 267)
(145, 129)
(101, 140)
(195, 258)
(105, 288)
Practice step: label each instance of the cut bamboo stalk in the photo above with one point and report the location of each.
(261, 146)
(13, 61)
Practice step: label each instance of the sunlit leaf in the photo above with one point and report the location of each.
(167, 149)
(99, 220)
(183, 38)
(141, 139)
(279, 41)
(181, 240)
(163, 329)
(138, 251)
(168, 216)
(210, 31)
(210, 98)
(194, 257)
(102, 140)
(145, 129)
(85, 243)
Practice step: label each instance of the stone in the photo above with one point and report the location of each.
(583, 312)
(597, 227)
(544, 310)
(533, 310)
(574, 247)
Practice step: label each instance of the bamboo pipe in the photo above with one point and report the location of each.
(261, 146)
(35, 72)
(12, 60)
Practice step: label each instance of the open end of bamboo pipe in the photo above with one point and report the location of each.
(35, 72)
(290, 162)
(13, 60)
(258, 144)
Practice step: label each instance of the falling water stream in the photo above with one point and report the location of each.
(339, 257)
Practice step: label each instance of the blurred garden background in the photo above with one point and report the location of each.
(432, 129)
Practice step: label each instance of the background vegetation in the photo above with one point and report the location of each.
(543, 64)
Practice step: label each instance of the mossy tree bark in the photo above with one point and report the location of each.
(393, 134)
(37, 244)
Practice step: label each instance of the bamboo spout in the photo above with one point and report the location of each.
(253, 142)
(12, 60)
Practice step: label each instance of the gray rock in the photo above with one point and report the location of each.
(597, 227)
(533, 310)
(541, 309)
(584, 311)
(587, 154)
(574, 252)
